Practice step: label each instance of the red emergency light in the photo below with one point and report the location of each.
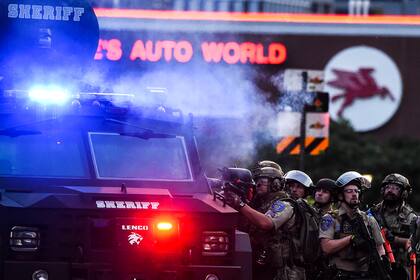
(164, 226)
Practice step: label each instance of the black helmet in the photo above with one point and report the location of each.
(326, 184)
(352, 177)
(399, 180)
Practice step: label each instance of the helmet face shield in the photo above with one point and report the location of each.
(350, 195)
(353, 177)
(300, 177)
(298, 184)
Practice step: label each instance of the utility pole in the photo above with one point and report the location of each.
(303, 123)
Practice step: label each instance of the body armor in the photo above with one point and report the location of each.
(401, 222)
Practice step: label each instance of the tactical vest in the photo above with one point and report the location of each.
(344, 228)
(283, 244)
(401, 223)
(295, 243)
(259, 238)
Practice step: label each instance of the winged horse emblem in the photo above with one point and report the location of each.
(357, 85)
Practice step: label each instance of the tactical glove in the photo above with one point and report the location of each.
(233, 200)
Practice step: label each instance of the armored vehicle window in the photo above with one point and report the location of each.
(33, 153)
(128, 157)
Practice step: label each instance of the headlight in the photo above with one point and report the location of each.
(40, 275)
(215, 243)
(24, 239)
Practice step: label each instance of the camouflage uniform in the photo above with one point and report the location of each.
(399, 220)
(285, 247)
(284, 244)
(283, 237)
(262, 269)
(350, 262)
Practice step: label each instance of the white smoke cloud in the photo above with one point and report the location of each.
(232, 116)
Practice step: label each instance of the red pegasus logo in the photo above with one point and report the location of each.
(357, 85)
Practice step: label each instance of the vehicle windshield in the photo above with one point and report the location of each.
(60, 153)
(128, 157)
(45, 154)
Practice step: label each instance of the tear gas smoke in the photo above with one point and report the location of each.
(231, 114)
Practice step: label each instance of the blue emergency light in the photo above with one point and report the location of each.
(50, 94)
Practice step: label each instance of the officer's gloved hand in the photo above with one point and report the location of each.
(358, 242)
(233, 200)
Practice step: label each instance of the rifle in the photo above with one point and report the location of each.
(375, 259)
(236, 180)
(387, 244)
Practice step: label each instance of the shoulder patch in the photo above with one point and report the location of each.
(278, 206)
(326, 222)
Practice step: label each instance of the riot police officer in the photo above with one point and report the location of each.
(398, 219)
(269, 181)
(268, 187)
(298, 184)
(277, 182)
(339, 236)
(281, 221)
(324, 194)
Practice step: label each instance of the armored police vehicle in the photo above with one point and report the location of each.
(97, 186)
